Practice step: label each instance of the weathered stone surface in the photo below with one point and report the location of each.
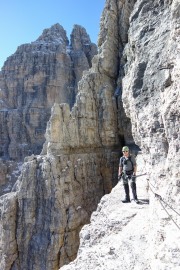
(117, 236)
(3, 173)
(9, 172)
(113, 36)
(36, 76)
(82, 52)
(151, 100)
(150, 95)
(58, 190)
(55, 197)
(32, 79)
(8, 241)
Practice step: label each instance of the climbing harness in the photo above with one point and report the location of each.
(135, 176)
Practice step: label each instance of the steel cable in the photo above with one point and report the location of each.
(161, 200)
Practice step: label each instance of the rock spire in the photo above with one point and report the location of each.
(35, 77)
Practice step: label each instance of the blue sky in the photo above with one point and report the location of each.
(23, 21)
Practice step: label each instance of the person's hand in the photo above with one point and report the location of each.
(119, 176)
(133, 177)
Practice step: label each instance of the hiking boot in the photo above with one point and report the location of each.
(136, 201)
(126, 200)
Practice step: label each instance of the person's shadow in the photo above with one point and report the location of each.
(143, 201)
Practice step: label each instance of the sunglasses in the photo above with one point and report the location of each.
(126, 151)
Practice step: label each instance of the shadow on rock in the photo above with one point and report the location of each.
(143, 201)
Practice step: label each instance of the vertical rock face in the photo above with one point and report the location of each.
(36, 76)
(55, 197)
(58, 190)
(151, 99)
(82, 52)
(150, 96)
(112, 39)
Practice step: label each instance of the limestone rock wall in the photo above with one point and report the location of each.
(151, 99)
(113, 36)
(58, 190)
(32, 79)
(150, 96)
(54, 197)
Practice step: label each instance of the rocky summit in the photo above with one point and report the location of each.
(128, 94)
(35, 77)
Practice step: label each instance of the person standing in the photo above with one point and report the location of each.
(127, 171)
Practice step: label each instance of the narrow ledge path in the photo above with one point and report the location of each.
(117, 236)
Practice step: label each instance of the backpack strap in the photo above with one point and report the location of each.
(129, 158)
(131, 162)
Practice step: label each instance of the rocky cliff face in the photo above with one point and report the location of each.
(57, 191)
(130, 95)
(151, 99)
(128, 237)
(37, 75)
